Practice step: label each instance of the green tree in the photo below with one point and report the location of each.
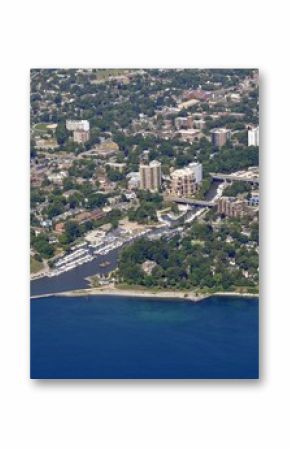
(61, 134)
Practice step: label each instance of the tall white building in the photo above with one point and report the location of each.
(253, 137)
(196, 167)
(77, 125)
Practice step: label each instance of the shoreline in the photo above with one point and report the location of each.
(143, 293)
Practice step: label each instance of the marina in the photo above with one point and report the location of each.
(88, 252)
(73, 273)
(100, 256)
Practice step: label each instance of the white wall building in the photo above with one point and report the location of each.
(133, 180)
(197, 170)
(80, 125)
(253, 137)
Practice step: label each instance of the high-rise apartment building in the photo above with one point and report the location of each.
(196, 167)
(150, 176)
(183, 182)
(253, 137)
(220, 136)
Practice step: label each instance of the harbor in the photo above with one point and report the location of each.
(99, 256)
(72, 271)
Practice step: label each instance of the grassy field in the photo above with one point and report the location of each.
(35, 265)
(104, 74)
(198, 242)
(41, 127)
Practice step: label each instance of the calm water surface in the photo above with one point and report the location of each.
(107, 337)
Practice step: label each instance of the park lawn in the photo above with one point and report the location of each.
(197, 242)
(35, 265)
(41, 127)
(104, 74)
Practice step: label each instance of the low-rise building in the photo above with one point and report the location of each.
(95, 237)
(118, 166)
(198, 94)
(57, 178)
(105, 149)
(69, 193)
(187, 104)
(59, 228)
(254, 200)
(235, 97)
(86, 216)
(148, 266)
(184, 122)
(188, 134)
(130, 196)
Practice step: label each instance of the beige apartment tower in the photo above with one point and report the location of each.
(183, 182)
(232, 207)
(150, 176)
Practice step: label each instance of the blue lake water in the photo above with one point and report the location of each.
(107, 337)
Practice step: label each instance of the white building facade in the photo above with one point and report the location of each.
(196, 167)
(77, 125)
(253, 137)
